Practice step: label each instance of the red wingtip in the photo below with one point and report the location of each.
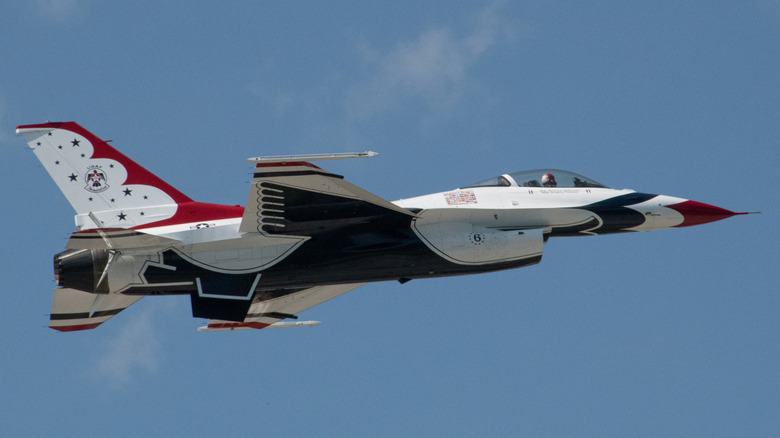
(73, 328)
(697, 213)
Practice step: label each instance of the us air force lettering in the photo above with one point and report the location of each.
(305, 235)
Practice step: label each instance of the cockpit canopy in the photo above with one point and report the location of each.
(540, 178)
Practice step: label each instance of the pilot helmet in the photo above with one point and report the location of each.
(548, 180)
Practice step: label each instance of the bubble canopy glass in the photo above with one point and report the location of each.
(540, 178)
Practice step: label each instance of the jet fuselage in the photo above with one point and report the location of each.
(305, 235)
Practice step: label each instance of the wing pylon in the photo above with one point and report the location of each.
(270, 313)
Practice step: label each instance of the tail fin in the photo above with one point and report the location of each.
(107, 189)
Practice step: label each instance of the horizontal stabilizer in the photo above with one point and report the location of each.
(74, 310)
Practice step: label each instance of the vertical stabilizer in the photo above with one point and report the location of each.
(107, 189)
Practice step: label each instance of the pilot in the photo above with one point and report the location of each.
(548, 180)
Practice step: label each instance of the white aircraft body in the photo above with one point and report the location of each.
(305, 235)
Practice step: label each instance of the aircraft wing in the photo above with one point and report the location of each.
(291, 196)
(74, 310)
(268, 312)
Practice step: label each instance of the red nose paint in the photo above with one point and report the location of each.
(697, 213)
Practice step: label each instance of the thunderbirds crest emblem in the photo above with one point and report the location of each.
(96, 179)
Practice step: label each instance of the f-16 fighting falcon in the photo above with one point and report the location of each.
(305, 235)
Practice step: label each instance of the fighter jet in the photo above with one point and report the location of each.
(305, 235)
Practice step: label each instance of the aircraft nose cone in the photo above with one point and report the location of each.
(696, 213)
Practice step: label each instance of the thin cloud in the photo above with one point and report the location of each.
(4, 136)
(135, 349)
(773, 6)
(433, 67)
(59, 9)
(280, 101)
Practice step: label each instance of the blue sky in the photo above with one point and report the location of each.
(669, 333)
